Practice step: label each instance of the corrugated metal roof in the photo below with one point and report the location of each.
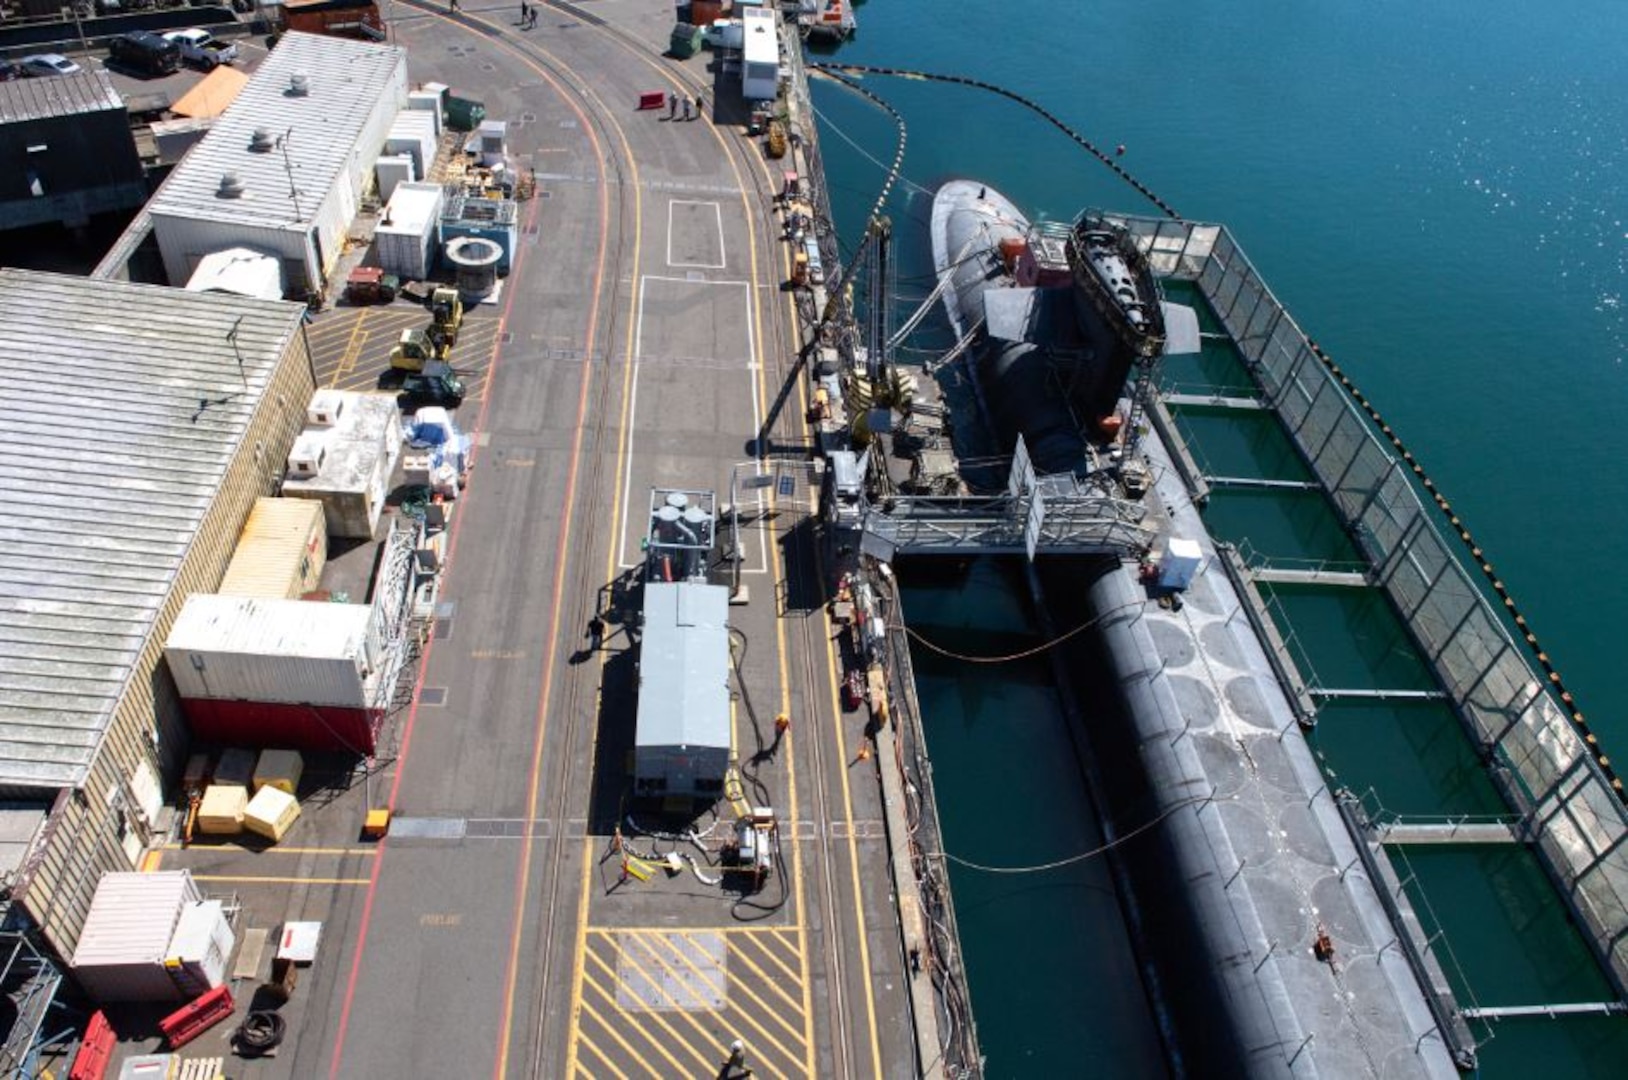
(57, 95)
(684, 666)
(124, 406)
(318, 132)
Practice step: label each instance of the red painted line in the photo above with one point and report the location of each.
(453, 532)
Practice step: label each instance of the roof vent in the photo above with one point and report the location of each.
(261, 141)
(230, 186)
(299, 84)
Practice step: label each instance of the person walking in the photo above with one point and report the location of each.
(687, 109)
(531, 24)
(525, 14)
(452, 7)
(672, 106)
(698, 103)
(596, 633)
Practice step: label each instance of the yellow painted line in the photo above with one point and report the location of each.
(283, 880)
(577, 951)
(601, 1055)
(789, 946)
(238, 849)
(771, 981)
(613, 1033)
(150, 861)
(723, 992)
(637, 1021)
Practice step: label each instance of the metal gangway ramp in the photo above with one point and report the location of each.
(1054, 515)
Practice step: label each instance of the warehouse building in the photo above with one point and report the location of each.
(66, 151)
(142, 426)
(284, 169)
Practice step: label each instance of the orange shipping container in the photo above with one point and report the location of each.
(281, 551)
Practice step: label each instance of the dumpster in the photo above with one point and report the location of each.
(686, 40)
(464, 114)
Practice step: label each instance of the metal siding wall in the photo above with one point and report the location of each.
(82, 840)
(182, 241)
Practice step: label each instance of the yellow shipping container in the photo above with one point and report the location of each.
(281, 551)
(221, 811)
(280, 769)
(270, 813)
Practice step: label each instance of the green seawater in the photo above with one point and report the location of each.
(1437, 193)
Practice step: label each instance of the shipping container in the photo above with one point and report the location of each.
(405, 239)
(200, 947)
(126, 937)
(247, 648)
(760, 46)
(271, 813)
(281, 551)
(270, 723)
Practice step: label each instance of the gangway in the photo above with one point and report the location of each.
(1570, 1008)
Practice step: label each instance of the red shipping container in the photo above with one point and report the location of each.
(293, 727)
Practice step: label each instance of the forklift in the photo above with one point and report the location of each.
(447, 313)
(415, 349)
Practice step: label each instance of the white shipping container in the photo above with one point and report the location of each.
(246, 648)
(121, 950)
(406, 235)
(430, 100)
(202, 944)
(413, 132)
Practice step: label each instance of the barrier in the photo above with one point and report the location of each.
(189, 1021)
(653, 99)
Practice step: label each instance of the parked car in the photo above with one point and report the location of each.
(202, 48)
(49, 64)
(10, 71)
(436, 385)
(145, 53)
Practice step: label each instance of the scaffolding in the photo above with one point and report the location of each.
(1536, 751)
(29, 980)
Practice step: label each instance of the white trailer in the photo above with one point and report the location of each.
(760, 54)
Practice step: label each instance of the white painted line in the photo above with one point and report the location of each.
(718, 215)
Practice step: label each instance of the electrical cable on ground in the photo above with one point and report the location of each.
(261, 1032)
(1084, 855)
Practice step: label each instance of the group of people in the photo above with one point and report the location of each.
(528, 15)
(673, 101)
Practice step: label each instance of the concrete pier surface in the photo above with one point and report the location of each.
(642, 340)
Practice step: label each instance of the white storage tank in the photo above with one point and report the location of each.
(405, 238)
(249, 648)
(126, 939)
(200, 947)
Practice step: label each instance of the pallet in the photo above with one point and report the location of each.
(212, 1068)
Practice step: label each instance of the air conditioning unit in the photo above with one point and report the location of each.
(326, 408)
(306, 459)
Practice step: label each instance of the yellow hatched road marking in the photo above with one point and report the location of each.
(772, 982)
(623, 1043)
(600, 1054)
(723, 993)
(709, 1038)
(652, 1014)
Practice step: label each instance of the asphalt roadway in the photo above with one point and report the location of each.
(640, 341)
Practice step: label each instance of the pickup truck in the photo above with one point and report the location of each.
(202, 48)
